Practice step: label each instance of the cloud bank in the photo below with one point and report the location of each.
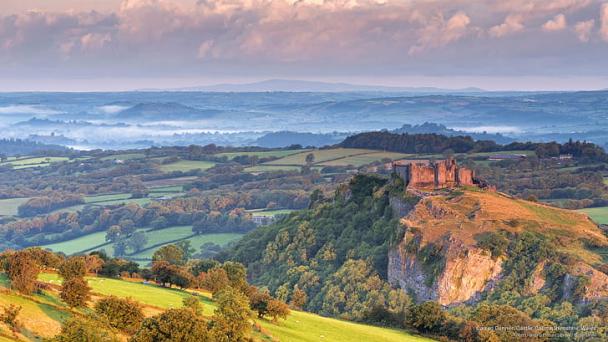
(256, 38)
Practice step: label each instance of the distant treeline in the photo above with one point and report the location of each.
(15, 147)
(435, 143)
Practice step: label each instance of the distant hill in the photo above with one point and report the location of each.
(287, 138)
(429, 127)
(14, 147)
(276, 85)
(165, 111)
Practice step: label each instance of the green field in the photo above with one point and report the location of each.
(156, 239)
(599, 215)
(125, 156)
(42, 316)
(268, 213)
(78, 244)
(196, 242)
(364, 159)
(186, 165)
(320, 156)
(272, 168)
(8, 207)
(23, 163)
(303, 326)
(299, 326)
(106, 198)
(261, 154)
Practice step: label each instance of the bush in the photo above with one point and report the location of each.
(427, 317)
(173, 325)
(75, 292)
(123, 314)
(78, 329)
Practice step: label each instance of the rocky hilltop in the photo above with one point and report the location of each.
(461, 246)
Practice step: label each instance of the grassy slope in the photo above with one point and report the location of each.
(599, 215)
(475, 212)
(8, 207)
(78, 244)
(156, 238)
(195, 241)
(186, 165)
(261, 154)
(300, 326)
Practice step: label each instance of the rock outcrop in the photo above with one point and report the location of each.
(440, 259)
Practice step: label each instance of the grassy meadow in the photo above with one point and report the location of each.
(186, 165)
(599, 215)
(299, 326)
(8, 207)
(261, 154)
(156, 239)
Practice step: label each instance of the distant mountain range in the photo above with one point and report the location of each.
(280, 85)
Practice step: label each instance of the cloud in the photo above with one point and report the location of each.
(604, 22)
(27, 109)
(513, 23)
(583, 29)
(168, 38)
(558, 23)
(439, 32)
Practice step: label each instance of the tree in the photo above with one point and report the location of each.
(237, 275)
(120, 248)
(123, 314)
(203, 266)
(427, 317)
(75, 292)
(74, 267)
(93, 263)
(310, 159)
(165, 273)
(187, 250)
(173, 325)
(277, 309)
(170, 253)
(114, 233)
(231, 318)
(298, 298)
(22, 270)
(193, 304)
(79, 329)
(9, 316)
(215, 280)
(137, 241)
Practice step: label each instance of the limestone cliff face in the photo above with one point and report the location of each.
(460, 276)
(439, 258)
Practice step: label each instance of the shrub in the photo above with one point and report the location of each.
(75, 292)
(123, 314)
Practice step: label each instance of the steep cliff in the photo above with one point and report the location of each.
(462, 245)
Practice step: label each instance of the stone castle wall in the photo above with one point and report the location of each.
(426, 175)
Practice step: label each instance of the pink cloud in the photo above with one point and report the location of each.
(558, 23)
(583, 29)
(513, 23)
(604, 22)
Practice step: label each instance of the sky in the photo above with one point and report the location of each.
(129, 44)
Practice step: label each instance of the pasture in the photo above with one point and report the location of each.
(269, 213)
(23, 163)
(599, 215)
(186, 165)
(78, 244)
(261, 154)
(299, 326)
(196, 242)
(8, 207)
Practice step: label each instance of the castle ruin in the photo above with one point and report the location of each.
(432, 175)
